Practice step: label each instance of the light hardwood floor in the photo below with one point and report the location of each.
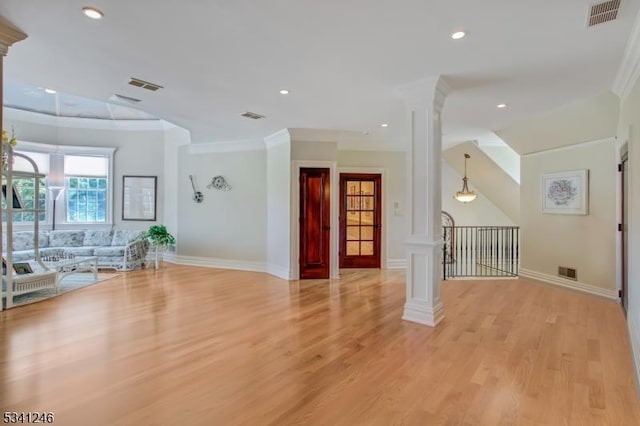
(190, 346)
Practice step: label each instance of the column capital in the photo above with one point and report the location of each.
(428, 91)
(9, 35)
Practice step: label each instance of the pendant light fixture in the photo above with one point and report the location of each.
(465, 195)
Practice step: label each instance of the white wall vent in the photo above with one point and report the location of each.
(570, 273)
(603, 12)
(253, 115)
(144, 84)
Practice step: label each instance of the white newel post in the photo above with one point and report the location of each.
(425, 100)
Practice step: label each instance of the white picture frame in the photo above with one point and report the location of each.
(565, 192)
(139, 197)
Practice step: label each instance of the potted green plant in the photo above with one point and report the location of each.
(159, 238)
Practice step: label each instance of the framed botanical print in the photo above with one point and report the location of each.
(566, 192)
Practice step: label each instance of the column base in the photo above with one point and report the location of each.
(421, 312)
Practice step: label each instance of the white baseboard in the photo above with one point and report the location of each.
(280, 272)
(396, 264)
(574, 285)
(237, 265)
(240, 265)
(421, 312)
(634, 337)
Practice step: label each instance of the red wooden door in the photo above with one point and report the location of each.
(315, 219)
(360, 220)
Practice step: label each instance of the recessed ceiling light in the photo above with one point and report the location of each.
(458, 35)
(384, 125)
(92, 12)
(501, 106)
(50, 91)
(284, 92)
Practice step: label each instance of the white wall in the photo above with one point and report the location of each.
(393, 188)
(227, 225)
(505, 157)
(629, 130)
(279, 208)
(479, 212)
(313, 151)
(592, 119)
(487, 176)
(174, 138)
(139, 148)
(584, 242)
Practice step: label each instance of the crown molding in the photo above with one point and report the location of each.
(9, 35)
(278, 138)
(427, 91)
(82, 123)
(629, 70)
(611, 139)
(231, 146)
(318, 135)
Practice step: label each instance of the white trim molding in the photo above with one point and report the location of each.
(634, 338)
(611, 139)
(629, 69)
(280, 272)
(396, 264)
(9, 35)
(210, 262)
(421, 312)
(233, 264)
(232, 146)
(278, 138)
(420, 244)
(86, 123)
(573, 285)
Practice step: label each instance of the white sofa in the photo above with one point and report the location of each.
(123, 250)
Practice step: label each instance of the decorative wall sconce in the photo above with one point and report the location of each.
(218, 182)
(197, 195)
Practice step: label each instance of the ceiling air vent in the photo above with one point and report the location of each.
(603, 12)
(253, 115)
(123, 98)
(144, 84)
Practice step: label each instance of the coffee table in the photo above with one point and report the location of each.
(66, 267)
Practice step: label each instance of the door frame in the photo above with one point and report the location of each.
(296, 165)
(383, 206)
(622, 146)
(622, 151)
(624, 234)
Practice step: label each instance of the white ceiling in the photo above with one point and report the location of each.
(341, 60)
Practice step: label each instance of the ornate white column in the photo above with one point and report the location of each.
(425, 100)
(8, 35)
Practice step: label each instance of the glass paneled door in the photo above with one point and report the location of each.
(360, 220)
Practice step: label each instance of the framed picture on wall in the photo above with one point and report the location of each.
(566, 192)
(139, 197)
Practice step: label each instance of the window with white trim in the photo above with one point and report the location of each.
(86, 183)
(26, 187)
(85, 173)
